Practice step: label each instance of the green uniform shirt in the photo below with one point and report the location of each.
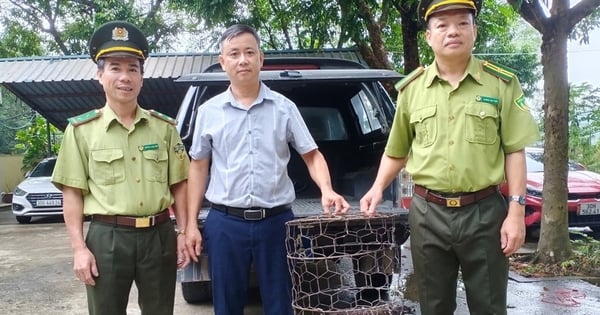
(456, 138)
(121, 171)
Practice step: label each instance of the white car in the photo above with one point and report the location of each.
(36, 195)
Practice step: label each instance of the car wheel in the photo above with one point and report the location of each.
(23, 219)
(197, 292)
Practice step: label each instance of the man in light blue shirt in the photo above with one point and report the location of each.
(242, 135)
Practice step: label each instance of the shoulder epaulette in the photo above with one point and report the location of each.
(503, 72)
(409, 78)
(162, 116)
(85, 117)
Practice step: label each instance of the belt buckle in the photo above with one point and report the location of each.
(142, 222)
(453, 202)
(254, 215)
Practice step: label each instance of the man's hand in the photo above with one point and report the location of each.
(369, 202)
(193, 243)
(84, 266)
(512, 234)
(333, 200)
(183, 256)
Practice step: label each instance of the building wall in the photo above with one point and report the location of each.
(10, 172)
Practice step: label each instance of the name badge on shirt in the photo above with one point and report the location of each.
(487, 99)
(148, 147)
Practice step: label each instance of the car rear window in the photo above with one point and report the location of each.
(324, 123)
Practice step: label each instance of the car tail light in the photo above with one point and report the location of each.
(406, 188)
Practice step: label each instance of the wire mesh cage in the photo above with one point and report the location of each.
(344, 264)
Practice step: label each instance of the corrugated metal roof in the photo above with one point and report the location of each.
(62, 87)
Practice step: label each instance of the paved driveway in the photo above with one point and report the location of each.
(36, 278)
(36, 274)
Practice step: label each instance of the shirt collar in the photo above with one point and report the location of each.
(109, 117)
(473, 70)
(264, 93)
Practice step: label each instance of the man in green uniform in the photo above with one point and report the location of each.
(460, 130)
(124, 167)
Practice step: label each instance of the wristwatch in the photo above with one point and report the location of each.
(518, 198)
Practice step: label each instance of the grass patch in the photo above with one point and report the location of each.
(585, 262)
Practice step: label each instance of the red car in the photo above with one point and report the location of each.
(583, 196)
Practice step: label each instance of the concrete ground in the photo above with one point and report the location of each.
(526, 296)
(36, 278)
(36, 274)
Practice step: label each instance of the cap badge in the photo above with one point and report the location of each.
(120, 33)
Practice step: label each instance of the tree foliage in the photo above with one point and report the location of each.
(555, 20)
(65, 26)
(32, 142)
(584, 125)
(14, 115)
(386, 32)
(29, 41)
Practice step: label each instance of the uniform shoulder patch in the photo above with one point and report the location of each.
(503, 72)
(409, 78)
(85, 117)
(162, 116)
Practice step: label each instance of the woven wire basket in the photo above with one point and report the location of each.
(344, 264)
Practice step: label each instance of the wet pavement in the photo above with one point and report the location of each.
(527, 296)
(36, 278)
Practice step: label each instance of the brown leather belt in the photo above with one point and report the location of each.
(136, 222)
(454, 200)
(252, 214)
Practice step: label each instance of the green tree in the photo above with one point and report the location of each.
(28, 41)
(555, 21)
(386, 32)
(14, 115)
(65, 26)
(33, 143)
(584, 125)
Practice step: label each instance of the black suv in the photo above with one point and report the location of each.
(349, 114)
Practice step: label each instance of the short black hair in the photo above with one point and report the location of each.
(237, 30)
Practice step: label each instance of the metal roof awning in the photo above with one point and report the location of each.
(64, 86)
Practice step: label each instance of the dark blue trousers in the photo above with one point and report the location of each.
(233, 245)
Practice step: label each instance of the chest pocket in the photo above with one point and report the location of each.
(155, 165)
(107, 167)
(425, 126)
(481, 125)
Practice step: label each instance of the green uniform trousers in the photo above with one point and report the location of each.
(147, 256)
(445, 240)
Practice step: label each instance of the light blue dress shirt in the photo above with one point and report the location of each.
(249, 148)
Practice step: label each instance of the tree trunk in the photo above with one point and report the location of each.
(410, 42)
(554, 245)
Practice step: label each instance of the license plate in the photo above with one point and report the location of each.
(589, 208)
(49, 203)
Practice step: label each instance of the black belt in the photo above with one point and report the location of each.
(252, 214)
(136, 222)
(455, 200)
